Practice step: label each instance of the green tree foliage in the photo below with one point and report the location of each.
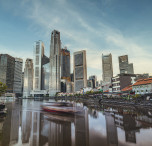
(3, 88)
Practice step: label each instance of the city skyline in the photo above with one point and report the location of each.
(97, 27)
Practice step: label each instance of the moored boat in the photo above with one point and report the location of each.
(66, 104)
(62, 109)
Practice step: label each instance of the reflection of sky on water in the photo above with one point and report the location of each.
(26, 124)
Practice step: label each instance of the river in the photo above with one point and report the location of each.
(26, 124)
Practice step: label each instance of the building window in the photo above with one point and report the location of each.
(37, 49)
(37, 60)
(36, 72)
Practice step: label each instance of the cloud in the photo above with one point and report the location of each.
(81, 29)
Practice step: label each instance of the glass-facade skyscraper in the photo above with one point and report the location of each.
(17, 88)
(7, 66)
(55, 63)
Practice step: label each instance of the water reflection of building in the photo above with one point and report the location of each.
(35, 129)
(82, 129)
(15, 122)
(112, 137)
(31, 127)
(26, 123)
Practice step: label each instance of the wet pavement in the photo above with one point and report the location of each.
(27, 124)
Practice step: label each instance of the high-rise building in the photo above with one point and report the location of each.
(80, 70)
(28, 77)
(65, 64)
(7, 65)
(107, 67)
(38, 82)
(125, 66)
(41, 71)
(55, 50)
(89, 83)
(17, 88)
(94, 80)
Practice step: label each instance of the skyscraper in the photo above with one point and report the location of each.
(28, 77)
(41, 67)
(125, 66)
(17, 88)
(55, 50)
(65, 64)
(107, 67)
(80, 70)
(65, 68)
(38, 72)
(7, 65)
(94, 80)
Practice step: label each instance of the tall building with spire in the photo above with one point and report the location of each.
(107, 67)
(55, 51)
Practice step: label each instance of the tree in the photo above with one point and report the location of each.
(3, 88)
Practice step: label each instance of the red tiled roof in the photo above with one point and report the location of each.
(128, 88)
(143, 82)
(106, 91)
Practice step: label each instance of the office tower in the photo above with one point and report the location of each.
(94, 80)
(107, 67)
(55, 50)
(38, 82)
(17, 88)
(41, 70)
(97, 83)
(89, 83)
(7, 65)
(65, 64)
(80, 70)
(28, 77)
(125, 66)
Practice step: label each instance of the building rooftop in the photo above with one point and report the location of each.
(143, 82)
(128, 88)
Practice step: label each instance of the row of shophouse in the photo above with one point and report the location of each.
(131, 82)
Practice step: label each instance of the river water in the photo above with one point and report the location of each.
(28, 125)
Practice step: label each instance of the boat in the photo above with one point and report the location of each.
(67, 104)
(62, 109)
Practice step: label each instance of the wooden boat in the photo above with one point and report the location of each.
(62, 109)
(58, 104)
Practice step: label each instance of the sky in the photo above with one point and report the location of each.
(119, 27)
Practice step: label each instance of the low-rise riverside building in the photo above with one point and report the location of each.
(121, 81)
(143, 86)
